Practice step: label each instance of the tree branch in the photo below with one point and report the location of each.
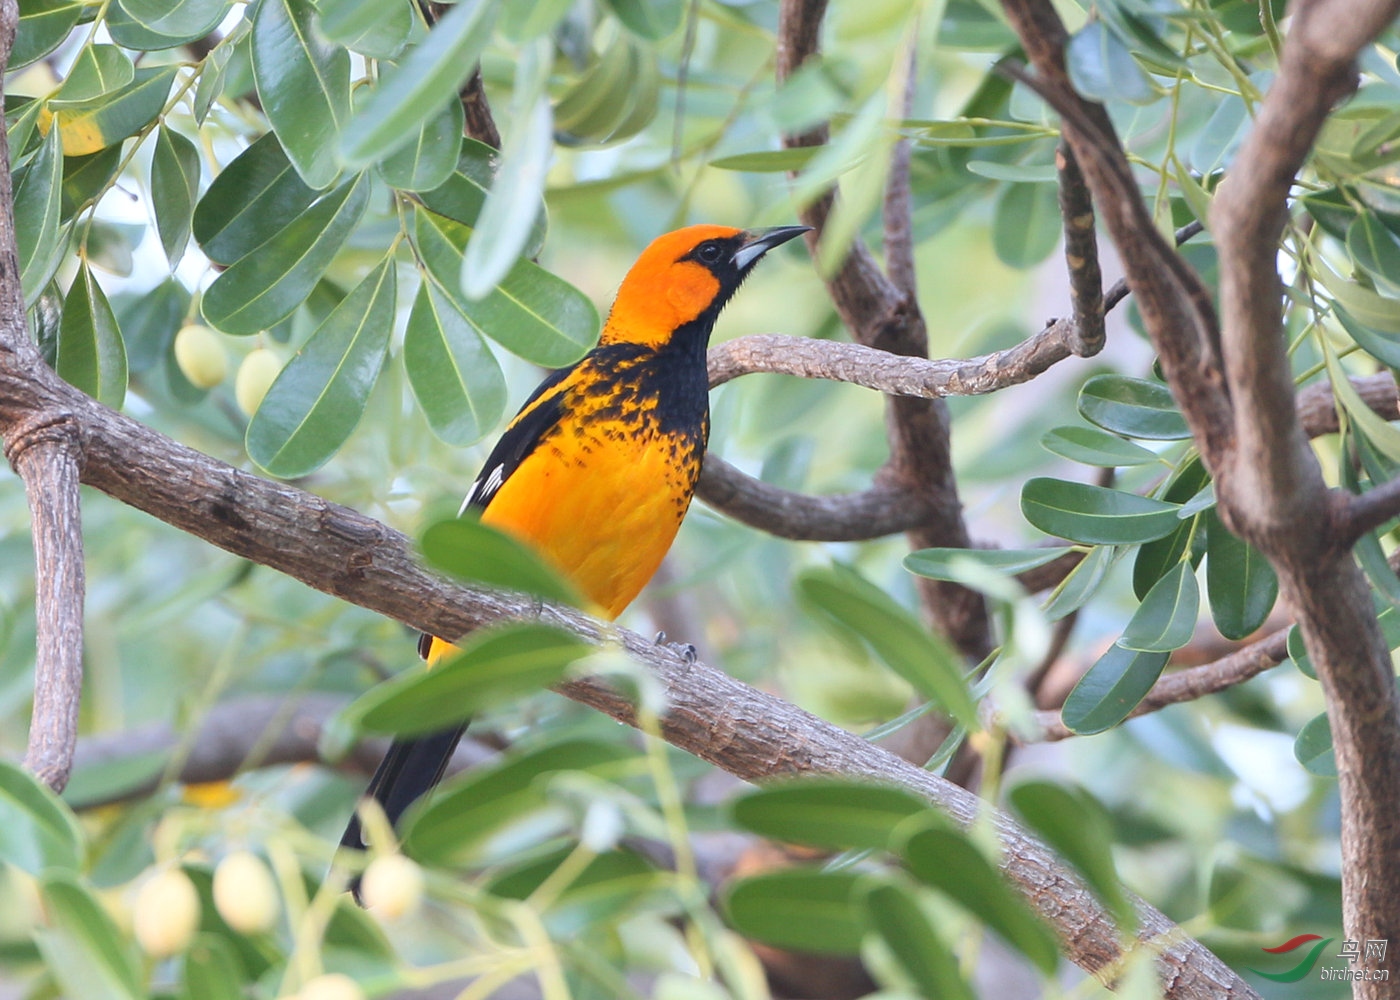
(233, 736)
(1235, 389)
(840, 517)
(47, 455)
(1081, 256)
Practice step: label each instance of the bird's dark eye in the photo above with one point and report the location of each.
(709, 253)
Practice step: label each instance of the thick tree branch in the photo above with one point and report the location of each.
(1235, 389)
(47, 455)
(1194, 682)
(879, 314)
(1317, 407)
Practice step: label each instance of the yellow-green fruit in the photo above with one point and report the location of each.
(245, 894)
(392, 886)
(201, 356)
(332, 986)
(166, 914)
(255, 377)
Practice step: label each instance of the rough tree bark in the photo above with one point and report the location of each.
(1232, 381)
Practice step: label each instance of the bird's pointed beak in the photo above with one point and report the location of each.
(758, 242)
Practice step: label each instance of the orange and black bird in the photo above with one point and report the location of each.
(597, 469)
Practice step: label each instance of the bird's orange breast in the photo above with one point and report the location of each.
(603, 494)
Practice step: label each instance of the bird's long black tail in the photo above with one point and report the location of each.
(408, 771)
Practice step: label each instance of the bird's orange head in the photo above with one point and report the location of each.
(684, 278)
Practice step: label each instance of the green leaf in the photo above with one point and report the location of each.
(772, 161)
(1026, 225)
(150, 321)
(1314, 749)
(1111, 689)
(1095, 515)
(38, 202)
(607, 886)
(461, 197)
(82, 946)
(430, 158)
(452, 826)
(1028, 173)
(1132, 407)
(1331, 210)
(321, 394)
(1081, 583)
(43, 25)
(494, 667)
(503, 229)
(303, 83)
(1240, 583)
(177, 18)
(842, 596)
(1092, 446)
(828, 812)
(1383, 346)
(93, 125)
(212, 75)
(1155, 558)
(894, 911)
(1166, 619)
(799, 908)
(86, 178)
(427, 79)
(526, 20)
(948, 861)
(91, 354)
(264, 287)
(1074, 823)
(532, 313)
(1367, 423)
(37, 831)
(478, 553)
(250, 201)
(593, 106)
(150, 25)
(371, 27)
(1298, 653)
(212, 971)
(98, 70)
(454, 375)
(1375, 250)
(649, 19)
(174, 187)
(941, 564)
(1374, 310)
(1102, 68)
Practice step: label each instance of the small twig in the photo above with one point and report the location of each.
(899, 204)
(1081, 255)
(1195, 682)
(1360, 513)
(47, 454)
(480, 123)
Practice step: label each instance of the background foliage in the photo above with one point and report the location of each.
(290, 180)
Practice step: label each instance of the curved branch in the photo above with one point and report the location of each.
(840, 517)
(1081, 255)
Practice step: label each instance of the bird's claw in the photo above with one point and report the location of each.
(685, 650)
